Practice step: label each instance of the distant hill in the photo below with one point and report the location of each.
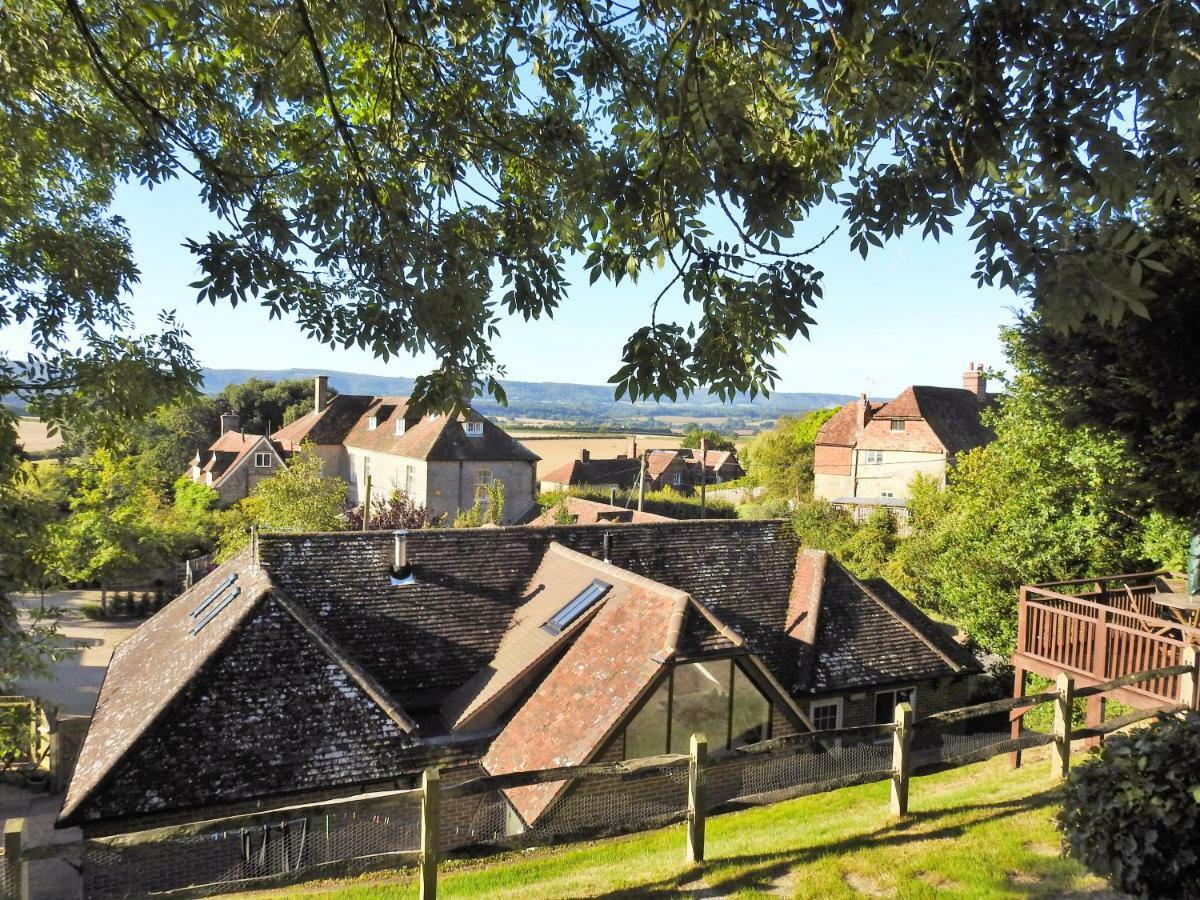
(552, 400)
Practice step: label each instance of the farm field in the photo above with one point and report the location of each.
(555, 450)
(32, 433)
(978, 831)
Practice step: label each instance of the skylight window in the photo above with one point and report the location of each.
(582, 602)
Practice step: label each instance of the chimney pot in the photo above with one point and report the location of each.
(401, 572)
(320, 392)
(584, 455)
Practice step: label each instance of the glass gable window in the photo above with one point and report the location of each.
(581, 603)
(715, 697)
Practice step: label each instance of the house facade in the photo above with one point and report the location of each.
(445, 462)
(305, 668)
(680, 469)
(236, 461)
(868, 453)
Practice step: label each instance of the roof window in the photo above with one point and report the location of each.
(399, 425)
(581, 603)
(473, 429)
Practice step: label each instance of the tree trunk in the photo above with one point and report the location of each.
(103, 602)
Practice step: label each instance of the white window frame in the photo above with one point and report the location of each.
(887, 494)
(873, 457)
(677, 479)
(898, 425)
(912, 700)
(828, 701)
(399, 425)
(473, 429)
(410, 479)
(372, 423)
(259, 456)
(483, 477)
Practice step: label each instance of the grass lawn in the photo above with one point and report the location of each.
(979, 831)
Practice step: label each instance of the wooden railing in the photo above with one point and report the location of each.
(1109, 632)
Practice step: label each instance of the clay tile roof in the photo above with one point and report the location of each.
(154, 664)
(658, 461)
(527, 647)
(585, 696)
(591, 512)
(621, 472)
(952, 413)
(840, 429)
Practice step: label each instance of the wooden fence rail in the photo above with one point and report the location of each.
(697, 761)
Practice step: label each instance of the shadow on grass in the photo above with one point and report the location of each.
(766, 870)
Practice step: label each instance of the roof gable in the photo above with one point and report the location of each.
(953, 414)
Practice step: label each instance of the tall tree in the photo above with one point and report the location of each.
(714, 440)
(781, 458)
(397, 176)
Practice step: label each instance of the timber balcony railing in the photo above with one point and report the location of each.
(1100, 629)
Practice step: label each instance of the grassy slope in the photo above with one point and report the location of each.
(980, 831)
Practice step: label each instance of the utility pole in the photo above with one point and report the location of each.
(641, 481)
(703, 473)
(366, 501)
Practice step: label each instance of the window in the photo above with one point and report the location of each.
(473, 429)
(409, 479)
(874, 457)
(372, 423)
(580, 603)
(483, 477)
(826, 714)
(399, 424)
(887, 493)
(677, 478)
(885, 703)
(262, 460)
(714, 697)
(897, 424)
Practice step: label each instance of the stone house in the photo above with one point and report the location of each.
(681, 470)
(318, 665)
(868, 453)
(444, 462)
(236, 461)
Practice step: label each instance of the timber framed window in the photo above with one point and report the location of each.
(473, 429)
(897, 425)
(885, 703)
(715, 697)
(262, 460)
(874, 457)
(826, 715)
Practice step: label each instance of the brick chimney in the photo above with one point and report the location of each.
(229, 422)
(320, 392)
(584, 455)
(633, 448)
(975, 382)
(863, 413)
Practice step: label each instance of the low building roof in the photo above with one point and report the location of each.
(623, 472)
(591, 512)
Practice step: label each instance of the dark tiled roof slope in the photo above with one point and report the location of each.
(936, 634)
(330, 425)
(952, 413)
(621, 472)
(422, 641)
(270, 710)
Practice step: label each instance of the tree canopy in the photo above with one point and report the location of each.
(780, 459)
(398, 177)
(713, 439)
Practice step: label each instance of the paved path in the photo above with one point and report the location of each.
(78, 676)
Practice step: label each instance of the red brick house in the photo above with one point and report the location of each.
(867, 454)
(315, 667)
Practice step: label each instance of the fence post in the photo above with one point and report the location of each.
(430, 784)
(901, 758)
(16, 881)
(695, 813)
(1060, 758)
(1187, 681)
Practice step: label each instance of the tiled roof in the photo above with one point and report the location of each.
(586, 695)
(228, 451)
(952, 413)
(622, 472)
(330, 425)
(841, 428)
(590, 512)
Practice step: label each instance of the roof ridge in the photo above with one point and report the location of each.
(624, 574)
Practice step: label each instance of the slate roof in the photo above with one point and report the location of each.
(379, 670)
(952, 414)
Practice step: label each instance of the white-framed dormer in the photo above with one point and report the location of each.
(473, 428)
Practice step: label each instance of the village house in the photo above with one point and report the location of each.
(314, 665)
(236, 461)
(444, 462)
(590, 512)
(682, 470)
(868, 453)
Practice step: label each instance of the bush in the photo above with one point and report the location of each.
(1132, 813)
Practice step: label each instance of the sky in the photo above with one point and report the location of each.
(908, 314)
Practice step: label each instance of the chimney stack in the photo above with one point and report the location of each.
(229, 422)
(633, 447)
(975, 382)
(321, 393)
(863, 411)
(584, 455)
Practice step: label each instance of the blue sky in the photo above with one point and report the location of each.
(908, 314)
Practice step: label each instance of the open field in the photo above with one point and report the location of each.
(33, 437)
(556, 450)
(979, 831)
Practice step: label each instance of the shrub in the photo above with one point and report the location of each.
(1132, 813)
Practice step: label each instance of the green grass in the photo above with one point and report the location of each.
(979, 831)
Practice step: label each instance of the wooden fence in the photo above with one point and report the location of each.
(431, 792)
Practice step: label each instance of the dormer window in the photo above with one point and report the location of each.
(897, 424)
(580, 603)
(473, 429)
(372, 423)
(399, 425)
